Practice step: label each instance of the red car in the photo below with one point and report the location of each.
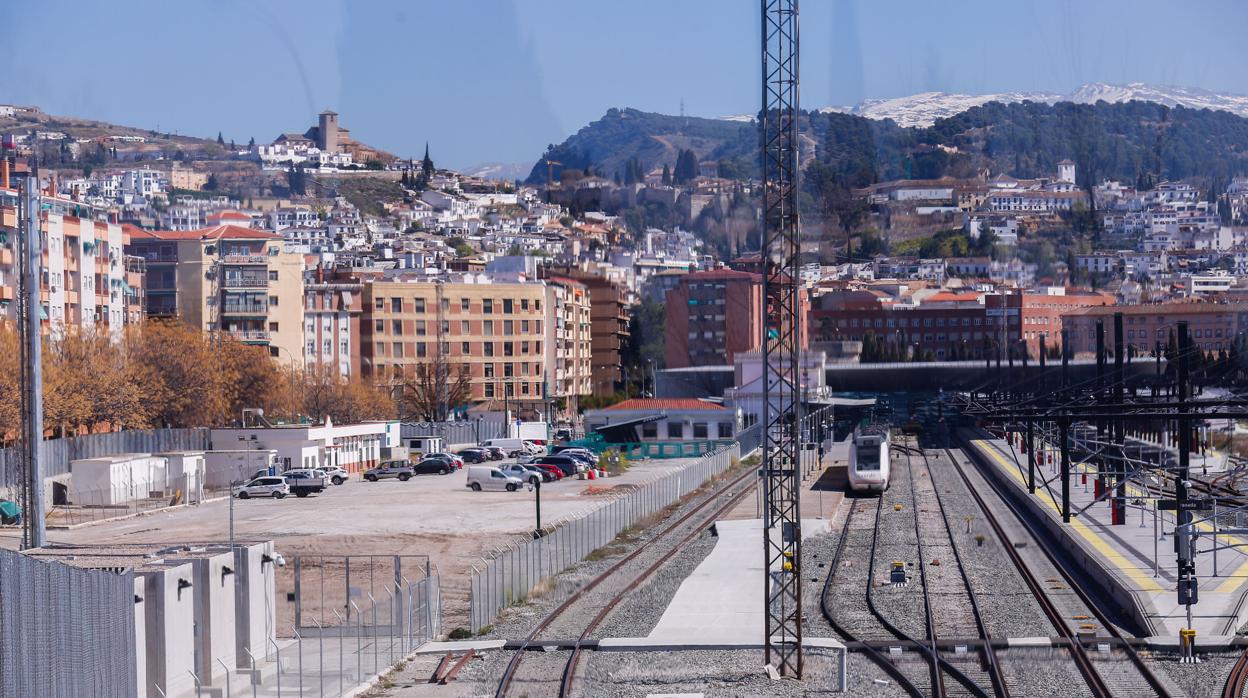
(550, 469)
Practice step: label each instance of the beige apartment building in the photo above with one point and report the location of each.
(499, 330)
(569, 342)
(88, 281)
(229, 278)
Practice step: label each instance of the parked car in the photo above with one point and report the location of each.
(526, 473)
(400, 469)
(526, 458)
(496, 452)
(474, 455)
(535, 448)
(586, 457)
(489, 477)
(568, 464)
(268, 486)
(337, 474)
(429, 466)
(563, 434)
(449, 457)
(306, 481)
(552, 470)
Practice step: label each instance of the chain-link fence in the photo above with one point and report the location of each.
(57, 453)
(72, 507)
(65, 631)
(366, 640)
(510, 575)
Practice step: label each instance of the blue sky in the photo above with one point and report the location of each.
(497, 80)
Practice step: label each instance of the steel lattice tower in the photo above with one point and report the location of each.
(780, 341)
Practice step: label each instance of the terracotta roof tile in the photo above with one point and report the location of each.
(661, 404)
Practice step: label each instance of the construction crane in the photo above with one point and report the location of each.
(782, 534)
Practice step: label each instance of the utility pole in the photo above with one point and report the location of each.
(782, 418)
(34, 531)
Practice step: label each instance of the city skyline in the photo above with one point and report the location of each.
(494, 82)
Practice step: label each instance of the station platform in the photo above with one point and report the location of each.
(1134, 561)
(719, 603)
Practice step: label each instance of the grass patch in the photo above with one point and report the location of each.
(485, 630)
(460, 634)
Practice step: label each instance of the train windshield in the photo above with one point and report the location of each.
(868, 457)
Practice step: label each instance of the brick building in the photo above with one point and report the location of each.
(714, 315)
(1211, 326)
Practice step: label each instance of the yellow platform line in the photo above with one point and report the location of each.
(1142, 580)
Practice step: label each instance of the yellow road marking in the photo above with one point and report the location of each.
(1142, 580)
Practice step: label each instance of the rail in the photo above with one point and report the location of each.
(1096, 683)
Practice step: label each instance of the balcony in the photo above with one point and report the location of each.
(250, 336)
(248, 259)
(259, 308)
(246, 282)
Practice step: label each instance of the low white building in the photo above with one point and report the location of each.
(354, 447)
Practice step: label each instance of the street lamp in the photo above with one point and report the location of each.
(535, 486)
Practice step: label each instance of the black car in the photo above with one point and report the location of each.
(588, 460)
(433, 465)
(567, 464)
(474, 455)
(495, 452)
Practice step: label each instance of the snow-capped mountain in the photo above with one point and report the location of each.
(925, 108)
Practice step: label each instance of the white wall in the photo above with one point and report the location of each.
(255, 608)
(223, 467)
(169, 621)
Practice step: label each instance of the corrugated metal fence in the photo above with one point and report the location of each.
(455, 433)
(66, 631)
(57, 453)
(510, 574)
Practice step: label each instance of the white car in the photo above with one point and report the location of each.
(489, 477)
(336, 474)
(268, 486)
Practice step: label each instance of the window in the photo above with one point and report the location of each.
(422, 350)
(420, 328)
(272, 300)
(464, 327)
(507, 307)
(524, 303)
(487, 328)
(420, 304)
(380, 304)
(675, 430)
(396, 327)
(463, 304)
(699, 430)
(379, 326)
(650, 430)
(489, 390)
(446, 327)
(524, 347)
(396, 305)
(725, 430)
(272, 276)
(508, 327)
(487, 306)
(524, 326)
(397, 350)
(488, 348)
(509, 349)
(465, 348)
(272, 326)
(489, 370)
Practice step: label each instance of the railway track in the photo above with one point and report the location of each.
(1238, 679)
(875, 623)
(1103, 678)
(624, 576)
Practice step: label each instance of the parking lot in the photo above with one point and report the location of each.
(434, 515)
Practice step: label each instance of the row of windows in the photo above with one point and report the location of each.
(420, 349)
(676, 430)
(488, 305)
(421, 327)
(907, 322)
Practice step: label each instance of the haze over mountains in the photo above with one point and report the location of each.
(924, 108)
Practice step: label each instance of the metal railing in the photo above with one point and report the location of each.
(364, 641)
(73, 507)
(509, 575)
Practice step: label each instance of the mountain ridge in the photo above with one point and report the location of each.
(923, 109)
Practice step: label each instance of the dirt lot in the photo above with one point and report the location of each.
(434, 515)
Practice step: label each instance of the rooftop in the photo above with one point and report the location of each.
(662, 404)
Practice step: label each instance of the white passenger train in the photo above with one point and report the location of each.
(868, 459)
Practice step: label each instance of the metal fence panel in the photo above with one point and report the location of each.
(58, 453)
(511, 574)
(454, 433)
(65, 631)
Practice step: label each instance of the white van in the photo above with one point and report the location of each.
(515, 447)
(488, 477)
